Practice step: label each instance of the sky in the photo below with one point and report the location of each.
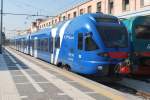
(42, 7)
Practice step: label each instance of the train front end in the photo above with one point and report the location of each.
(115, 42)
(141, 45)
(103, 47)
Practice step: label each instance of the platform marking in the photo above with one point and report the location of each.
(17, 75)
(62, 85)
(12, 59)
(32, 81)
(23, 83)
(90, 92)
(23, 97)
(62, 94)
(68, 89)
(71, 81)
(8, 90)
(23, 75)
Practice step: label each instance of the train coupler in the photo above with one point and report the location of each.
(123, 67)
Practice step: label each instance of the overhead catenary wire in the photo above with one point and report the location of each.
(22, 14)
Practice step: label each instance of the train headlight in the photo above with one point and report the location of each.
(100, 67)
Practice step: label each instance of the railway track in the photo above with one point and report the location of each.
(144, 94)
(142, 87)
(127, 85)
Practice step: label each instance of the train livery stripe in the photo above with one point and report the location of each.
(61, 34)
(54, 30)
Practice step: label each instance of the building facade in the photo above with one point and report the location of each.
(120, 8)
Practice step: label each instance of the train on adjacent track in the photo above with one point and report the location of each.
(139, 34)
(91, 44)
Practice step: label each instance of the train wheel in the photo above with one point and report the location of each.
(66, 67)
(59, 64)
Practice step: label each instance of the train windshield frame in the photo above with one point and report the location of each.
(142, 31)
(109, 20)
(113, 36)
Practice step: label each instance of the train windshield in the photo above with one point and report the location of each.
(142, 31)
(114, 37)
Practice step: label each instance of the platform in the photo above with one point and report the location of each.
(26, 78)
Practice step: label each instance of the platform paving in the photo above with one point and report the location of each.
(8, 90)
(22, 79)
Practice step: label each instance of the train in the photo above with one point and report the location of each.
(139, 34)
(90, 44)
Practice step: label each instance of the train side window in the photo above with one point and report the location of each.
(80, 41)
(57, 42)
(90, 44)
(39, 44)
(46, 44)
(51, 45)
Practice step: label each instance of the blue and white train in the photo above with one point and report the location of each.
(88, 44)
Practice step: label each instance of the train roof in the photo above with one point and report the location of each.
(132, 19)
(99, 15)
(22, 36)
(42, 31)
(96, 16)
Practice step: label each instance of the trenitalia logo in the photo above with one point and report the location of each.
(148, 46)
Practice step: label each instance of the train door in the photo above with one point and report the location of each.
(32, 47)
(35, 46)
(28, 45)
(52, 46)
(22, 45)
(79, 47)
(57, 49)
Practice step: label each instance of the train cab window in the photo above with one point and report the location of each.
(80, 41)
(142, 31)
(57, 42)
(90, 44)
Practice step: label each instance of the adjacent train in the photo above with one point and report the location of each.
(89, 44)
(139, 32)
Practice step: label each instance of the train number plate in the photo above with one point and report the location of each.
(100, 67)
